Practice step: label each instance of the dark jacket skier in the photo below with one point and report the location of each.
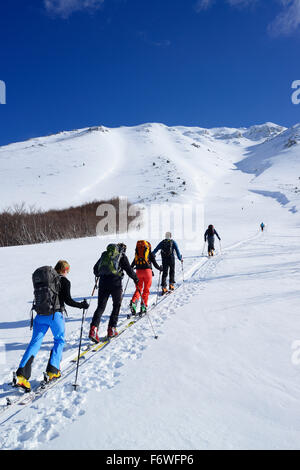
(109, 268)
(209, 237)
(168, 248)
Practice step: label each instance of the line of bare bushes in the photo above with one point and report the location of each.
(21, 226)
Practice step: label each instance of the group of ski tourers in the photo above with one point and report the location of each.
(52, 290)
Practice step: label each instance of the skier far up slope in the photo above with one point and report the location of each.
(209, 237)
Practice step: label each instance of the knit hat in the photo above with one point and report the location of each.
(168, 235)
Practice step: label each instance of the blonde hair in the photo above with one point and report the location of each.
(62, 266)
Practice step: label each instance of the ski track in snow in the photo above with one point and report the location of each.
(61, 405)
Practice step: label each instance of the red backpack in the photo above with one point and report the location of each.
(142, 254)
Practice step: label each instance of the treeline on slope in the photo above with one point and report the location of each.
(21, 226)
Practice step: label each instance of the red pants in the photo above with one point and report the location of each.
(145, 281)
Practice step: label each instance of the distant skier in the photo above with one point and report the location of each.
(144, 258)
(168, 247)
(262, 226)
(209, 237)
(109, 268)
(52, 291)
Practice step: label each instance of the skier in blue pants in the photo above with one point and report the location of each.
(41, 325)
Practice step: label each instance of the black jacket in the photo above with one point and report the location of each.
(65, 294)
(210, 235)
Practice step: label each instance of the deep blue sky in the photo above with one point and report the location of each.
(136, 61)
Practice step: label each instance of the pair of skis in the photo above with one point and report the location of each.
(24, 398)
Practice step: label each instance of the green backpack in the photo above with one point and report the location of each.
(109, 262)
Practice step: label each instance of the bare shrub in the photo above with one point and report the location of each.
(21, 226)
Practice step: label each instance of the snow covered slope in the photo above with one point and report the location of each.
(275, 166)
(221, 373)
(146, 163)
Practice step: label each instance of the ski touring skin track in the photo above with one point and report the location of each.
(27, 398)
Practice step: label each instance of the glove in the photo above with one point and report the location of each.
(161, 269)
(84, 305)
(136, 281)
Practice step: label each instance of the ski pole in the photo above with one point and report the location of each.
(143, 303)
(125, 290)
(81, 333)
(158, 287)
(220, 247)
(79, 350)
(182, 270)
(93, 291)
(203, 248)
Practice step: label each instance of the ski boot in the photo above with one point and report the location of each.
(53, 376)
(133, 307)
(172, 287)
(93, 335)
(164, 291)
(111, 332)
(21, 382)
(143, 310)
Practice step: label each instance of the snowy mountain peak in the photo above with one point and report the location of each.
(256, 133)
(147, 163)
(263, 131)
